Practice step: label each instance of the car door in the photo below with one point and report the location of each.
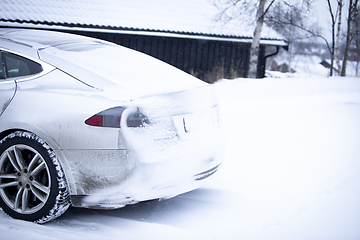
(7, 87)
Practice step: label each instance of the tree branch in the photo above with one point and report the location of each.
(267, 9)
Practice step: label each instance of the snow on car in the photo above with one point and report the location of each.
(88, 123)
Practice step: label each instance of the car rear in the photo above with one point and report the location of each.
(175, 150)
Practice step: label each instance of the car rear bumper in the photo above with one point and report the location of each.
(161, 192)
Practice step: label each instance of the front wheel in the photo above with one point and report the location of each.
(32, 183)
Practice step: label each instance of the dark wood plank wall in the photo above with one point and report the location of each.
(208, 60)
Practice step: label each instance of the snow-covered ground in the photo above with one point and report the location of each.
(291, 171)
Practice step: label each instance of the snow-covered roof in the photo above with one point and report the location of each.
(166, 16)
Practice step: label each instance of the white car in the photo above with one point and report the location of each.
(88, 123)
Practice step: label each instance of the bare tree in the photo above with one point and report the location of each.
(337, 37)
(255, 45)
(235, 9)
(289, 20)
(357, 42)
(334, 16)
(351, 32)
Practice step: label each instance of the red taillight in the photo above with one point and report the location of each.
(112, 118)
(95, 120)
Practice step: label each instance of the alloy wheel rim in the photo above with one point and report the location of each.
(24, 179)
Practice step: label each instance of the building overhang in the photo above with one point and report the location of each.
(142, 32)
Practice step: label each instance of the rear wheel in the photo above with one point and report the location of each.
(32, 183)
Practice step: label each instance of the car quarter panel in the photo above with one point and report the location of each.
(60, 112)
(57, 113)
(7, 92)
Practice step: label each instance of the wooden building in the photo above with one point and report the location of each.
(181, 33)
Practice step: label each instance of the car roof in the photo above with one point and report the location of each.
(38, 38)
(28, 42)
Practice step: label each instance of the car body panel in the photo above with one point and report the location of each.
(7, 92)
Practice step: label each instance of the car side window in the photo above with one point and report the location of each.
(17, 66)
(2, 71)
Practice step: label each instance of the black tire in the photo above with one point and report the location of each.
(32, 183)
